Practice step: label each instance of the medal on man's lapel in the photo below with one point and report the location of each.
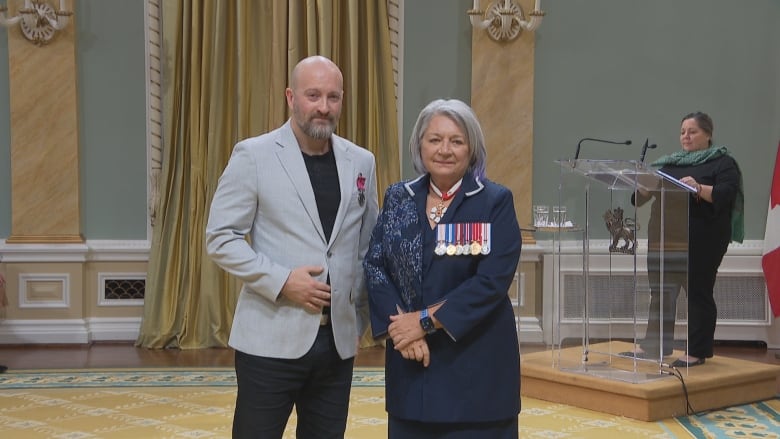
(361, 187)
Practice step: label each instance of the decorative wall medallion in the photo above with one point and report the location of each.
(36, 23)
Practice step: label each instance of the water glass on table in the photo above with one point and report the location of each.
(559, 216)
(541, 215)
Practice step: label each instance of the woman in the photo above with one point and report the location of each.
(715, 218)
(441, 259)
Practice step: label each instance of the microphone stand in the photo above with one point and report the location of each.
(577, 153)
(644, 150)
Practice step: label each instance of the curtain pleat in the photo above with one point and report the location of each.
(226, 67)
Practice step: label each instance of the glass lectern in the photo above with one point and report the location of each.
(620, 263)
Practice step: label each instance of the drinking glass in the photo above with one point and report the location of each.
(559, 216)
(541, 215)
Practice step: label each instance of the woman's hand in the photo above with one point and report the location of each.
(702, 192)
(404, 329)
(690, 181)
(418, 351)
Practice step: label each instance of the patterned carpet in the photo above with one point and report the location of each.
(187, 403)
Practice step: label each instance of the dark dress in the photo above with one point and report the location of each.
(695, 269)
(471, 389)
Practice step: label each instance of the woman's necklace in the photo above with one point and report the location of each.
(437, 211)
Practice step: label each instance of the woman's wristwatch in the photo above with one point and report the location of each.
(427, 322)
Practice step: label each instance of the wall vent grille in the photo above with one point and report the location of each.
(121, 289)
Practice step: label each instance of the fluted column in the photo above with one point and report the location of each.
(502, 95)
(45, 206)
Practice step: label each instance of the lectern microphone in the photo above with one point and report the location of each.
(644, 150)
(577, 154)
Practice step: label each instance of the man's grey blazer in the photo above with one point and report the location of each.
(265, 195)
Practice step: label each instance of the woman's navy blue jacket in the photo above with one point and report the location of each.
(474, 374)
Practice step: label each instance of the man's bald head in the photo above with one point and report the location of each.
(315, 96)
(316, 63)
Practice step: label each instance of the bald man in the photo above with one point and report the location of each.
(307, 200)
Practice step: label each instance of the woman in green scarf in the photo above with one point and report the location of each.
(715, 218)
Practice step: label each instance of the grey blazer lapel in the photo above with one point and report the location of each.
(291, 159)
(346, 183)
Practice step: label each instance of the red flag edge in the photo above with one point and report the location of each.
(770, 262)
(774, 191)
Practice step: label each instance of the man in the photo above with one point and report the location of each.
(307, 200)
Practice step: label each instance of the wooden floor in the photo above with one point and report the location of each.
(124, 354)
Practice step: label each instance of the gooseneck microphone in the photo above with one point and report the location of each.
(644, 150)
(577, 154)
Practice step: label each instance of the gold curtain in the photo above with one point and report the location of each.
(226, 66)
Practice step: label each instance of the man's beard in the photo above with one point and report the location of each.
(315, 131)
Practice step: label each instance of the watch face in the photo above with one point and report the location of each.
(427, 325)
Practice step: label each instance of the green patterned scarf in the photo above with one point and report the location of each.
(693, 158)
